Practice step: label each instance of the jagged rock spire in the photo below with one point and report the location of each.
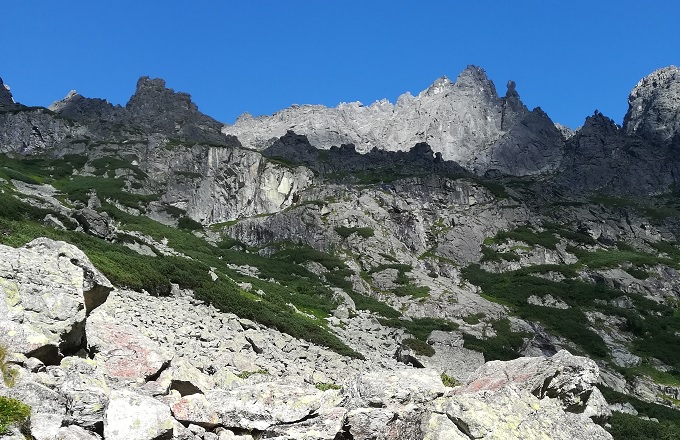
(6, 99)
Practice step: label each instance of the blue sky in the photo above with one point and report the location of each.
(568, 57)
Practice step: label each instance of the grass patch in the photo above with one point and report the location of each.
(412, 290)
(13, 413)
(323, 386)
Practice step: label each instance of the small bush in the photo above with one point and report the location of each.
(504, 346)
(449, 381)
(412, 290)
(189, 224)
(420, 347)
(345, 232)
(12, 412)
(327, 386)
(247, 374)
(420, 327)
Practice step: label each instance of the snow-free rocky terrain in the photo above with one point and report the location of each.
(452, 266)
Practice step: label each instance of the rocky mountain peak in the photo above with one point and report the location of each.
(6, 99)
(439, 86)
(654, 106)
(152, 95)
(472, 76)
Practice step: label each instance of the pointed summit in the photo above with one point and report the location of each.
(6, 99)
(439, 86)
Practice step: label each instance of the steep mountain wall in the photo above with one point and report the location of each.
(466, 121)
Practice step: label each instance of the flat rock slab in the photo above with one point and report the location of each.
(124, 353)
(262, 405)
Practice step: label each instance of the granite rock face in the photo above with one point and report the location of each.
(654, 106)
(47, 287)
(6, 99)
(465, 121)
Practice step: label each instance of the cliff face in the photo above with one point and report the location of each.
(654, 106)
(465, 121)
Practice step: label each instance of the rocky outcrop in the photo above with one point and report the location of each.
(6, 99)
(654, 106)
(465, 121)
(602, 157)
(47, 289)
(568, 378)
(164, 368)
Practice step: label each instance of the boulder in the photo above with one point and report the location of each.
(75, 432)
(131, 416)
(86, 392)
(571, 379)
(259, 406)
(48, 408)
(654, 106)
(48, 288)
(396, 388)
(124, 353)
(507, 413)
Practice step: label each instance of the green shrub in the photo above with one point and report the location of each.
(627, 427)
(504, 346)
(474, 319)
(363, 302)
(527, 235)
(419, 347)
(345, 232)
(489, 254)
(327, 386)
(412, 290)
(13, 412)
(247, 374)
(449, 381)
(189, 224)
(420, 328)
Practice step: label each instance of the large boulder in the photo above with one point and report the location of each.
(132, 416)
(262, 405)
(389, 405)
(571, 379)
(126, 355)
(48, 287)
(507, 413)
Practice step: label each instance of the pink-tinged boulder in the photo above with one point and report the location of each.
(571, 379)
(195, 409)
(47, 288)
(125, 354)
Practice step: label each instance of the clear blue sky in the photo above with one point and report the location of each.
(568, 57)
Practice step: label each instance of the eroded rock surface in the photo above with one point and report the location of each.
(46, 289)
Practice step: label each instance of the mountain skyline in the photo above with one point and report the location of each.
(260, 58)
